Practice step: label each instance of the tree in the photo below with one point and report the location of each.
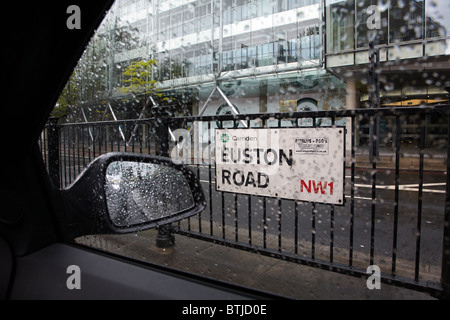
(69, 96)
(138, 76)
(96, 74)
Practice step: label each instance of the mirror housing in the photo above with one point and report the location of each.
(85, 204)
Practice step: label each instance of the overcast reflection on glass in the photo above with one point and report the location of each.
(142, 192)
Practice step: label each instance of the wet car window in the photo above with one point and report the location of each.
(318, 130)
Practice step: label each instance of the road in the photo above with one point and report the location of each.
(274, 223)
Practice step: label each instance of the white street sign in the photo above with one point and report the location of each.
(306, 164)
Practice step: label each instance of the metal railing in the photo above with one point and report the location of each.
(396, 213)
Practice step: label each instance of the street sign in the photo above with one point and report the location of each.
(306, 164)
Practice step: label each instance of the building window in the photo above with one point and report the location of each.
(406, 21)
(340, 25)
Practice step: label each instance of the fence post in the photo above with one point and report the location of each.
(445, 273)
(165, 238)
(53, 151)
(162, 131)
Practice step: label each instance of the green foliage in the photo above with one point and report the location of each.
(96, 75)
(69, 96)
(138, 76)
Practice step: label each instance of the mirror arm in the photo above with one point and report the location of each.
(84, 204)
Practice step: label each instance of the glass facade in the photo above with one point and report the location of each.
(407, 35)
(204, 37)
(353, 24)
(269, 52)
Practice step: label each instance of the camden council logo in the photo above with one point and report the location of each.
(225, 137)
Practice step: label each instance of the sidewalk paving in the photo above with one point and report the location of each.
(434, 159)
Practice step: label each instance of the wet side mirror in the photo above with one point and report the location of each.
(124, 192)
(139, 192)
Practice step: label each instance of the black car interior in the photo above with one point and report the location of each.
(40, 53)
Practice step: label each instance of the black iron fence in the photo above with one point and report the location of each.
(397, 197)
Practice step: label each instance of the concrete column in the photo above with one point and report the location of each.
(352, 102)
(352, 94)
(194, 107)
(263, 97)
(197, 130)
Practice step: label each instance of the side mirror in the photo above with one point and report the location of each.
(125, 192)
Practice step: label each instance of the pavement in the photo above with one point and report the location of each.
(283, 278)
(434, 159)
